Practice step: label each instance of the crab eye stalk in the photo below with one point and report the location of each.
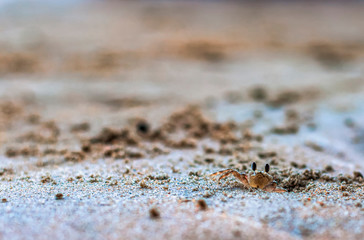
(267, 167)
(254, 166)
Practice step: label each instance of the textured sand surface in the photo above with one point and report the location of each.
(185, 90)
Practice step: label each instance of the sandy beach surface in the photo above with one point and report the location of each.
(114, 115)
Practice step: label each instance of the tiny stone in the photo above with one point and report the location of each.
(345, 194)
(329, 168)
(143, 184)
(202, 204)
(59, 196)
(357, 174)
(154, 213)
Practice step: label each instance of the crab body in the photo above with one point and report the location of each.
(254, 179)
(259, 179)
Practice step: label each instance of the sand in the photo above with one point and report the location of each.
(113, 115)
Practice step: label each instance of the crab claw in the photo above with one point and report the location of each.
(272, 187)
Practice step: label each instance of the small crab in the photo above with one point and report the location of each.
(255, 179)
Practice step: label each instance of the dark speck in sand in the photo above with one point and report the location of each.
(59, 196)
(258, 93)
(202, 205)
(154, 213)
(329, 168)
(358, 175)
(142, 127)
(80, 127)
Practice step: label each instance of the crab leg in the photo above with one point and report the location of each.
(241, 177)
(272, 187)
